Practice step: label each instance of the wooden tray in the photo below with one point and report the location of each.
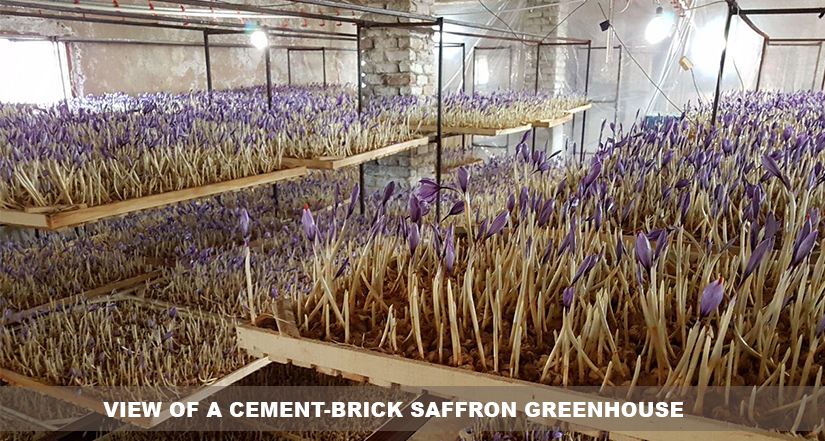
(335, 163)
(580, 108)
(414, 375)
(477, 130)
(69, 395)
(64, 217)
(553, 122)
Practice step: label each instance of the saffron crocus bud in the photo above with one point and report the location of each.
(620, 250)
(757, 257)
(772, 168)
(511, 202)
(353, 197)
(587, 264)
(341, 269)
(414, 238)
(449, 251)
(244, 223)
(415, 210)
(463, 178)
(308, 223)
(388, 191)
(458, 208)
(820, 327)
(482, 230)
(711, 297)
(567, 296)
(643, 251)
(498, 224)
(806, 245)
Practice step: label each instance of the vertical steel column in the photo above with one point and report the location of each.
(268, 78)
(288, 66)
(361, 201)
(464, 86)
(721, 69)
(208, 62)
(268, 62)
(816, 66)
(761, 63)
(586, 90)
(536, 85)
(439, 134)
(618, 89)
(324, 64)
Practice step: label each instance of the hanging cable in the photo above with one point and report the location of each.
(501, 20)
(528, 8)
(630, 54)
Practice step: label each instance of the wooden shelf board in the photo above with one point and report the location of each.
(71, 218)
(580, 108)
(414, 375)
(126, 285)
(477, 130)
(360, 158)
(547, 123)
(70, 395)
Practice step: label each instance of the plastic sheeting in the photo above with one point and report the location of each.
(640, 76)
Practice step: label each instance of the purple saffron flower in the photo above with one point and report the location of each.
(427, 190)
(463, 178)
(457, 209)
(449, 251)
(482, 230)
(757, 257)
(308, 222)
(820, 327)
(567, 296)
(643, 251)
(414, 238)
(341, 269)
(805, 247)
(415, 210)
(587, 264)
(497, 226)
(356, 191)
(772, 168)
(388, 191)
(511, 202)
(620, 250)
(711, 297)
(244, 223)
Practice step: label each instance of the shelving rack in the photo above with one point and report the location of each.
(414, 23)
(745, 14)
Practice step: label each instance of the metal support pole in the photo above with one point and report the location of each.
(721, 69)
(439, 134)
(359, 82)
(536, 85)
(324, 64)
(208, 62)
(816, 66)
(464, 87)
(268, 79)
(618, 88)
(289, 66)
(761, 63)
(586, 90)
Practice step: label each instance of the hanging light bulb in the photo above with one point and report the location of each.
(259, 39)
(660, 27)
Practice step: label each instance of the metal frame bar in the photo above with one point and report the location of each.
(321, 49)
(734, 9)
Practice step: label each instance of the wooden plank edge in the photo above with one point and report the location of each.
(581, 108)
(64, 393)
(129, 285)
(391, 369)
(75, 217)
(550, 123)
(359, 158)
(478, 130)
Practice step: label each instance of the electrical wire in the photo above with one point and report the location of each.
(630, 54)
(528, 8)
(501, 20)
(696, 86)
(705, 5)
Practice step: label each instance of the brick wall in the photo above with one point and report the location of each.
(545, 21)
